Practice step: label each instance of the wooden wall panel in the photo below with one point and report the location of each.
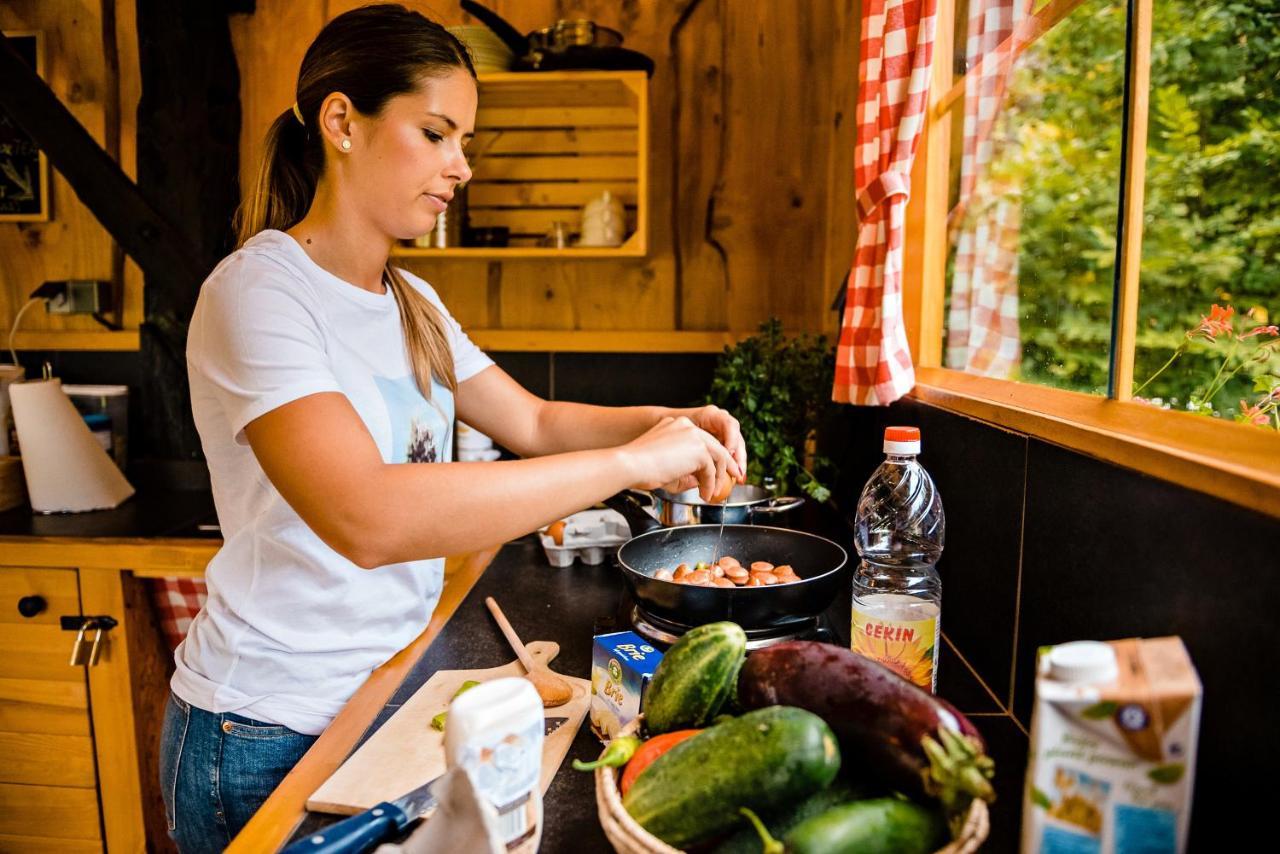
(130, 85)
(751, 210)
(841, 221)
(699, 140)
(751, 188)
(72, 244)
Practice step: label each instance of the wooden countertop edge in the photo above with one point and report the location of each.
(147, 556)
(275, 821)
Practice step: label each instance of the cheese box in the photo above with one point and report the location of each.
(622, 663)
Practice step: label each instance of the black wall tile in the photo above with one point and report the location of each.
(630, 379)
(1111, 553)
(531, 370)
(980, 473)
(93, 367)
(1007, 745)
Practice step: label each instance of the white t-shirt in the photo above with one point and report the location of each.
(292, 628)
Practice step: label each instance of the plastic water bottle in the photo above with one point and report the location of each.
(897, 594)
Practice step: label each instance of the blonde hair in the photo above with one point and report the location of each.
(370, 54)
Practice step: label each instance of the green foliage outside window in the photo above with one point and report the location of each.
(1211, 231)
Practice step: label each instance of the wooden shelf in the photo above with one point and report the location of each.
(50, 339)
(547, 143)
(604, 341)
(633, 248)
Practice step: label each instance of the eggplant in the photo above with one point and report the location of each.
(901, 734)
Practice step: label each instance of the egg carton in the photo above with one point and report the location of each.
(590, 536)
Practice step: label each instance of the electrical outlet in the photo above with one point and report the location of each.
(77, 296)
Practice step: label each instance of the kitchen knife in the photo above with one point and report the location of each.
(362, 832)
(550, 725)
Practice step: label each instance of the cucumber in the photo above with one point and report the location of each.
(762, 760)
(880, 826)
(695, 677)
(745, 840)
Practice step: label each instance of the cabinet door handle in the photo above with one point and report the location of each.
(30, 606)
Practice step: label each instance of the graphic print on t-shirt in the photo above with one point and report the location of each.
(417, 427)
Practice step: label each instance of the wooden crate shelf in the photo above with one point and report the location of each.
(605, 340)
(546, 144)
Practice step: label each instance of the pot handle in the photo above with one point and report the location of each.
(777, 505)
(510, 36)
(638, 519)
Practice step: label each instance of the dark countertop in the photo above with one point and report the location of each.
(149, 513)
(565, 606)
(172, 499)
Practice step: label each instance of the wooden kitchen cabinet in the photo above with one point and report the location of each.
(48, 776)
(78, 742)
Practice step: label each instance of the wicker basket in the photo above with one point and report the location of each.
(628, 837)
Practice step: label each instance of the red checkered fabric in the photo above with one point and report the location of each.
(178, 600)
(873, 361)
(982, 324)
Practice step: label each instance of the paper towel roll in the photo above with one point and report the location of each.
(67, 470)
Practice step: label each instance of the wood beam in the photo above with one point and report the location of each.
(101, 184)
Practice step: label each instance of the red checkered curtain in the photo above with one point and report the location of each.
(178, 600)
(873, 362)
(982, 324)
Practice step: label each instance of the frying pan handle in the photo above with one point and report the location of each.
(776, 505)
(510, 36)
(638, 519)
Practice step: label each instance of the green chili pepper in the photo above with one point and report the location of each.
(617, 754)
(438, 721)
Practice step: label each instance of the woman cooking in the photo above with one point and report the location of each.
(321, 379)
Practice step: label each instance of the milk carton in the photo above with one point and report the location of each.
(1113, 748)
(622, 664)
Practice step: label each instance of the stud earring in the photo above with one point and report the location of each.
(346, 145)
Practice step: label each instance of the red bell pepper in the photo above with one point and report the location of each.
(651, 750)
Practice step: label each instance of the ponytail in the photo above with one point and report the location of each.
(370, 54)
(286, 182)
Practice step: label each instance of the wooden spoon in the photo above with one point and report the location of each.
(553, 690)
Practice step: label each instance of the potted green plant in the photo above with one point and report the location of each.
(779, 389)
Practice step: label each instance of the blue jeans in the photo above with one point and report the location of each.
(217, 769)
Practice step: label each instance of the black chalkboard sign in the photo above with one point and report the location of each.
(24, 170)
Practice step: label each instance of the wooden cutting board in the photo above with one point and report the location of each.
(407, 751)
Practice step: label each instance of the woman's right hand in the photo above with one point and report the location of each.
(677, 454)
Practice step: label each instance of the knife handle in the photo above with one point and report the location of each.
(353, 835)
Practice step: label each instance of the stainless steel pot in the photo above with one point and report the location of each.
(748, 504)
(578, 32)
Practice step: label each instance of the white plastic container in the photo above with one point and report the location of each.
(589, 536)
(495, 733)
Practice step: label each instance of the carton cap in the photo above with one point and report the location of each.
(1083, 661)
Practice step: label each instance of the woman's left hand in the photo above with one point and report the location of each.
(724, 427)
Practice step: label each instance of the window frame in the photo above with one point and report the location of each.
(1235, 462)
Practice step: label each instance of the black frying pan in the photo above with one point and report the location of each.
(819, 562)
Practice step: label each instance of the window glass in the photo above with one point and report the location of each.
(1033, 228)
(1210, 284)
